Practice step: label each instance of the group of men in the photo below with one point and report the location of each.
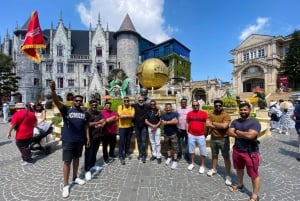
(185, 125)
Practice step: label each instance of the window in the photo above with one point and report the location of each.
(252, 54)
(99, 68)
(167, 50)
(60, 82)
(70, 68)
(110, 68)
(286, 51)
(49, 68)
(48, 82)
(99, 51)
(36, 82)
(86, 69)
(60, 50)
(261, 52)
(60, 67)
(245, 56)
(71, 83)
(156, 53)
(84, 83)
(36, 67)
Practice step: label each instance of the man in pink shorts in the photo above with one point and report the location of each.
(245, 150)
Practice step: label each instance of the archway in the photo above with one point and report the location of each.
(198, 94)
(252, 77)
(248, 85)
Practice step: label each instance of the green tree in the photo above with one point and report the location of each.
(291, 64)
(8, 79)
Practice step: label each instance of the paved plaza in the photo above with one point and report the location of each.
(135, 181)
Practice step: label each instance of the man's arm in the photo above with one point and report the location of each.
(55, 99)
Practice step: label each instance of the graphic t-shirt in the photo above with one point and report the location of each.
(196, 121)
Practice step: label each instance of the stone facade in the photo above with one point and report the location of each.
(256, 62)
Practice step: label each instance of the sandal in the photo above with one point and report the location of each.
(254, 199)
(235, 187)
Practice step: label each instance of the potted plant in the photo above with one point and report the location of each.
(230, 104)
(57, 123)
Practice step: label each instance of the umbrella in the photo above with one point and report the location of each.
(286, 105)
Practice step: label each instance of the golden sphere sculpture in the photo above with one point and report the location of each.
(152, 73)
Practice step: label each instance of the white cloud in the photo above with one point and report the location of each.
(146, 16)
(251, 29)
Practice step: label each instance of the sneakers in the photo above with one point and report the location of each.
(228, 181)
(168, 161)
(79, 181)
(24, 163)
(152, 158)
(211, 172)
(158, 160)
(122, 161)
(174, 165)
(88, 175)
(66, 191)
(191, 166)
(201, 169)
(144, 159)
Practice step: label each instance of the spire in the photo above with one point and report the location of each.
(127, 24)
(99, 19)
(60, 17)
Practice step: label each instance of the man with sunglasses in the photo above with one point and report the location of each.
(195, 125)
(218, 122)
(95, 130)
(75, 133)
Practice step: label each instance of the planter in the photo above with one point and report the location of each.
(230, 110)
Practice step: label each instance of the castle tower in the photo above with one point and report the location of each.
(128, 50)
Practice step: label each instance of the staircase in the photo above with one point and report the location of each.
(270, 97)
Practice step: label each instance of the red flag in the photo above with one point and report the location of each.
(34, 39)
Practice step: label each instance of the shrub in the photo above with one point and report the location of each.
(229, 102)
(56, 119)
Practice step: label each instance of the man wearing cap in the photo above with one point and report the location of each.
(218, 123)
(23, 121)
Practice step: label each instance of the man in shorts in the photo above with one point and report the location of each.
(218, 123)
(75, 133)
(245, 150)
(195, 126)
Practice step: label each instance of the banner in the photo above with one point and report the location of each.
(34, 39)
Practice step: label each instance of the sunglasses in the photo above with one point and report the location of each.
(78, 101)
(126, 100)
(218, 105)
(195, 105)
(152, 104)
(141, 100)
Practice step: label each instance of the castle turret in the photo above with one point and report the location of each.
(128, 50)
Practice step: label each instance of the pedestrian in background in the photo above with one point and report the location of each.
(23, 121)
(75, 133)
(5, 111)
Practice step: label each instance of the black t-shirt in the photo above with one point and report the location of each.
(140, 114)
(153, 116)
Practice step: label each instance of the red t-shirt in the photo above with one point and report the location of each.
(109, 128)
(196, 121)
(26, 125)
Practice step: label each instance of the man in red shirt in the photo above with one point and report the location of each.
(23, 121)
(195, 125)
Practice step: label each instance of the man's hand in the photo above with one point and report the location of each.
(52, 85)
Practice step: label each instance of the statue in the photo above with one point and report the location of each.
(144, 93)
(262, 103)
(118, 87)
(229, 93)
(238, 99)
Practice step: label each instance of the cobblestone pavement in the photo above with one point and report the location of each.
(279, 170)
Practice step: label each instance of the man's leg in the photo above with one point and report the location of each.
(240, 176)
(66, 173)
(255, 186)
(75, 168)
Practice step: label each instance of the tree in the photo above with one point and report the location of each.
(291, 64)
(8, 79)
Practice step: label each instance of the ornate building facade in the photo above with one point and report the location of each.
(256, 63)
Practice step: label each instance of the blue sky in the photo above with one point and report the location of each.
(209, 28)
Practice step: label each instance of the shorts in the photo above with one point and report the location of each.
(220, 144)
(250, 160)
(197, 140)
(71, 150)
(172, 143)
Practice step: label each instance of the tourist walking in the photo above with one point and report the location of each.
(75, 133)
(153, 121)
(246, 150)
(218, 122)
(5, 111)
(170, 121)
(182, 133)
(109, 133)
(23, 121)
(96, 123)
(195, 125)
(285, 122)
(126, 114)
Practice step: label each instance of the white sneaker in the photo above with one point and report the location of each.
(66, 191)
(88, 176)
(191, 166)
(211, 172)
(79, 181)
(168, 161)
(228, 181)
(174, 165)
(201, 169)
(24, 163)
